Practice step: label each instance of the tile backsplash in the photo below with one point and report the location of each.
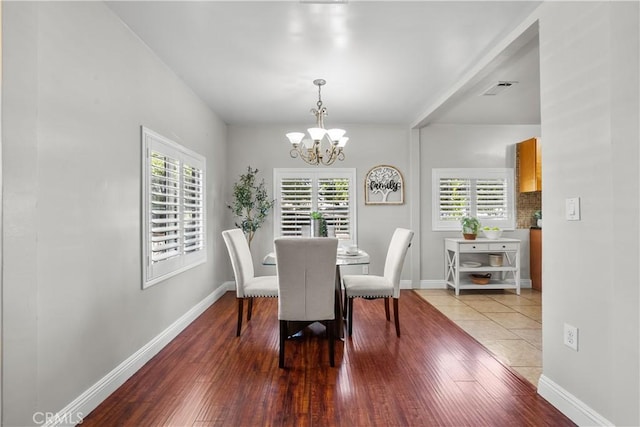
(526, 203)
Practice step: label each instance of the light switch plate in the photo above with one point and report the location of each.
(572, 210)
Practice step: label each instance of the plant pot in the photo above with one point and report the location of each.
(469, 236)
(316, 227)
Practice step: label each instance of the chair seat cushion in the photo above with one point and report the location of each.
(360, 285)
(262, 286)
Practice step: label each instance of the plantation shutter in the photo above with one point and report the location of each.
(165, 207)
(302, 191)
(334, 203)
(487, 194)
(454, 198)
(173, 226)
(193, 208)
(491, 199)
(295, 198)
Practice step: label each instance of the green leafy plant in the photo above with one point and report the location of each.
(251, 203)
(315, 215)
(537, 214)
(470, 225)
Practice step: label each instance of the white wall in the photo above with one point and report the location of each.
(464, 146)
(589, 56)
(77, 86)
(266, 147)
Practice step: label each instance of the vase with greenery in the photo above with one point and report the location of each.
(318, 224)
(251, 203)
(470, 227)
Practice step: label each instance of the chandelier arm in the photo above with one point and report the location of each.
(310, 158)
(332, 154)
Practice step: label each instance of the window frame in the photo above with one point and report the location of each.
(316, 175)
(190, 209)
(472, 174)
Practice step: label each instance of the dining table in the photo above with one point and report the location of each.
(344, 257)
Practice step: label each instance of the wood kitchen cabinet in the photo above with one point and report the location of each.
(535, 258)
(529, 166)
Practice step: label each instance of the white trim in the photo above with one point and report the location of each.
(570, 405)
(441, 284)
(97, 393)
(230, 286)
(180, 258)
(432, 284)
(406, 284)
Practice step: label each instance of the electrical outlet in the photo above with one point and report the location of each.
(571, 336)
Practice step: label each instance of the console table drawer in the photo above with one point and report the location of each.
(474, 247)
(503, 246)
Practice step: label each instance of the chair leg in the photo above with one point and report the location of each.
(350, 315)
(249, 309)
(331, 324)
(240, 309)
(283, 338)
(386, 308)
(396, 318)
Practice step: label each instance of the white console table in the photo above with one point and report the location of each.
(458, 251)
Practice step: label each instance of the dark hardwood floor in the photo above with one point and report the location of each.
(433, 375)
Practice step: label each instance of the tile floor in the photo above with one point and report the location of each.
(509, 325)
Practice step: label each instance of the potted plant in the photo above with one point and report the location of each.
(251, 203)
(537, 216)
(470, 227)
(318, 224)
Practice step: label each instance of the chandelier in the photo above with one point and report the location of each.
(323, 146)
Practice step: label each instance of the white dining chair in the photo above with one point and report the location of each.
(385, 286)
(306, 285)
(248, 286)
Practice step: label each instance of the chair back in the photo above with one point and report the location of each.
(306, 277)
(241, 259)
(396, 253)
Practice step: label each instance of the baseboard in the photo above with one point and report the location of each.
(89, 400)
(568, 404)
(440, 284)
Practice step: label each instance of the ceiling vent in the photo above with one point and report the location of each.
(498, 87)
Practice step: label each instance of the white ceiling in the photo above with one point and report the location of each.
(385, 62)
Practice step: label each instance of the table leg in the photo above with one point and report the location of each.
(339, 323)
